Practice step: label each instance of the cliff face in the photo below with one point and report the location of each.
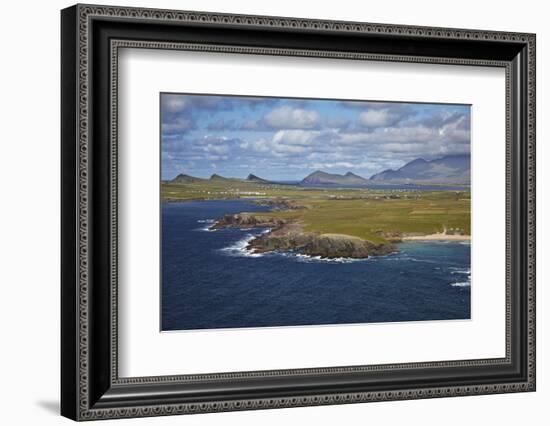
(324, 245)
(289, 236)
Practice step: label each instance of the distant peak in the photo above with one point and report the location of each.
(319, 177)
(216, 176)
(449, 169)
(185, 178)
(255, 178)
(417, 160)
(466, 155)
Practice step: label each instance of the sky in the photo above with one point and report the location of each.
(286, 139)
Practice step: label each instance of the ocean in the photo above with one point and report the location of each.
(210, 281)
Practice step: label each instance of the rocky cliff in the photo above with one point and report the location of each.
(289, 236)
(328, 246)
(247, 220)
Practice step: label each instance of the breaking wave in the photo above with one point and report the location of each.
(239, 248)
(462, 271)
(207, 223)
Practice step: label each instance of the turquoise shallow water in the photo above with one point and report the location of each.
(210, 281)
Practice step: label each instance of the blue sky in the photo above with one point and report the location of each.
(286, 139)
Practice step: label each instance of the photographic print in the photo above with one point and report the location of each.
(297, 212)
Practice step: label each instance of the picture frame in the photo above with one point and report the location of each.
(90, 384)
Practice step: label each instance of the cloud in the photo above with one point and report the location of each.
(250, 125)
(173, 103)
(217, 149)
(295, 137)
(282, 143)
(178, 125)
(284, 138)
(287, 117)
(221, 124)
(377, 118)
(444, 118)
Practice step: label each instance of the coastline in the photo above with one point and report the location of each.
(289, 236)
(440, 236)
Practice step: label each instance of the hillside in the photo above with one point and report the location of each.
(451, 169)
(324, 178)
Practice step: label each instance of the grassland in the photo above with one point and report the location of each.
(377, 216)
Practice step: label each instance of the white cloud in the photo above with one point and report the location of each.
(376, 118)
(291, 118)
(217, 149)
(295, 137)
(212, 139)
(282, 143)
(345, 165)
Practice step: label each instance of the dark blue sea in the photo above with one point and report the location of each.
(210, 281)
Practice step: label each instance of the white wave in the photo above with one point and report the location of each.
(239, 248)
(461, 271)
(318, 259)
(208, 223)
(206, 228)
(466, 271)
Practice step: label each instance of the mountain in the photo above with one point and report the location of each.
(218, 177)
(323, 178)
(256, 179)
(183, 178)
(445, 170)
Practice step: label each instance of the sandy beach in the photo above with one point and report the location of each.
(440, 236)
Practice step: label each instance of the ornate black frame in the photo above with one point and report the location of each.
(91, 37)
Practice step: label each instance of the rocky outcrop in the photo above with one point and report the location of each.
(391, 236)
(289, 236)
(246, 220)
(328, 246)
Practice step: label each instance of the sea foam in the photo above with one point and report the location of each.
(318, 259)
(239, 247)
(461, 271)
(207, 223)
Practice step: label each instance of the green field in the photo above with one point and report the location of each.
(370, 214)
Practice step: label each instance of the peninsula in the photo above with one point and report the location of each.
(332, 221)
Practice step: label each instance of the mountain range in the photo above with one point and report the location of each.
(450, 169)
(323, 178)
